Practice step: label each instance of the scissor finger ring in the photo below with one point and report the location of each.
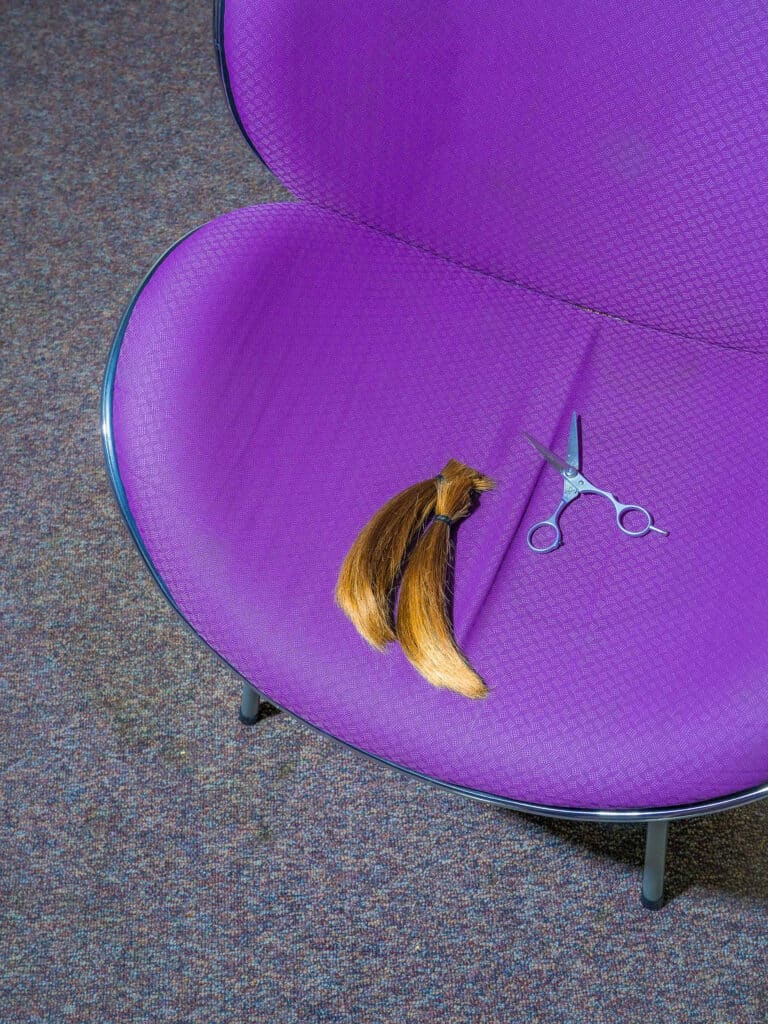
(623, 510)
(545, 524)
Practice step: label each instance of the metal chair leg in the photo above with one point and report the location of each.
(652, 895)
(250, 704)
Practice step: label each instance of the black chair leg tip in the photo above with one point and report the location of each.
(252, 720)
(652, 904)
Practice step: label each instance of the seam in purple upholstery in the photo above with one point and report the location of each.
(531, 288)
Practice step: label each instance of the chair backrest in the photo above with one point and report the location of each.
(612, 155)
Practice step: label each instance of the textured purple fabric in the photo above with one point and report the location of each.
(285, 371)
(609, 154)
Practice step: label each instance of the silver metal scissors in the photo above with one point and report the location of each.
(575, 484)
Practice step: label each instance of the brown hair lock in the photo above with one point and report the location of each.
(373, 565)
(423, 626)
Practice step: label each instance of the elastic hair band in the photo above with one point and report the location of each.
(445, 519)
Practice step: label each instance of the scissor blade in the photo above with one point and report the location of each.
(555, 460)
(574, 448)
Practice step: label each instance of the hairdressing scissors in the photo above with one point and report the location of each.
(575, 484)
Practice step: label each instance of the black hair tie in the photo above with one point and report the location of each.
(445, 519)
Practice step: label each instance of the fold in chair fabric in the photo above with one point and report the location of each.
(506, 213)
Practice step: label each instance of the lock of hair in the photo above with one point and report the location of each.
(423, 626)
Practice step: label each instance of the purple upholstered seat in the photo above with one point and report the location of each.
(508, 213)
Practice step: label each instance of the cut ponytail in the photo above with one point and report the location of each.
(373, 566)
(423, 625)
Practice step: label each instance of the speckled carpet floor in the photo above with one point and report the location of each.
(159, 861)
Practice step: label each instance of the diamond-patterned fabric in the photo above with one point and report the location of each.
(285, 371)
(610, 155)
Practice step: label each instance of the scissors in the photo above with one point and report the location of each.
(575, 484)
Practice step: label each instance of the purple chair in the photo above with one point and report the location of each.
(507, 213)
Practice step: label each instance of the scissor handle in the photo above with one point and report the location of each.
(623, 510)
(552, 525)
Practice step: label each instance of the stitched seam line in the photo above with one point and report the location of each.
(532, 288)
